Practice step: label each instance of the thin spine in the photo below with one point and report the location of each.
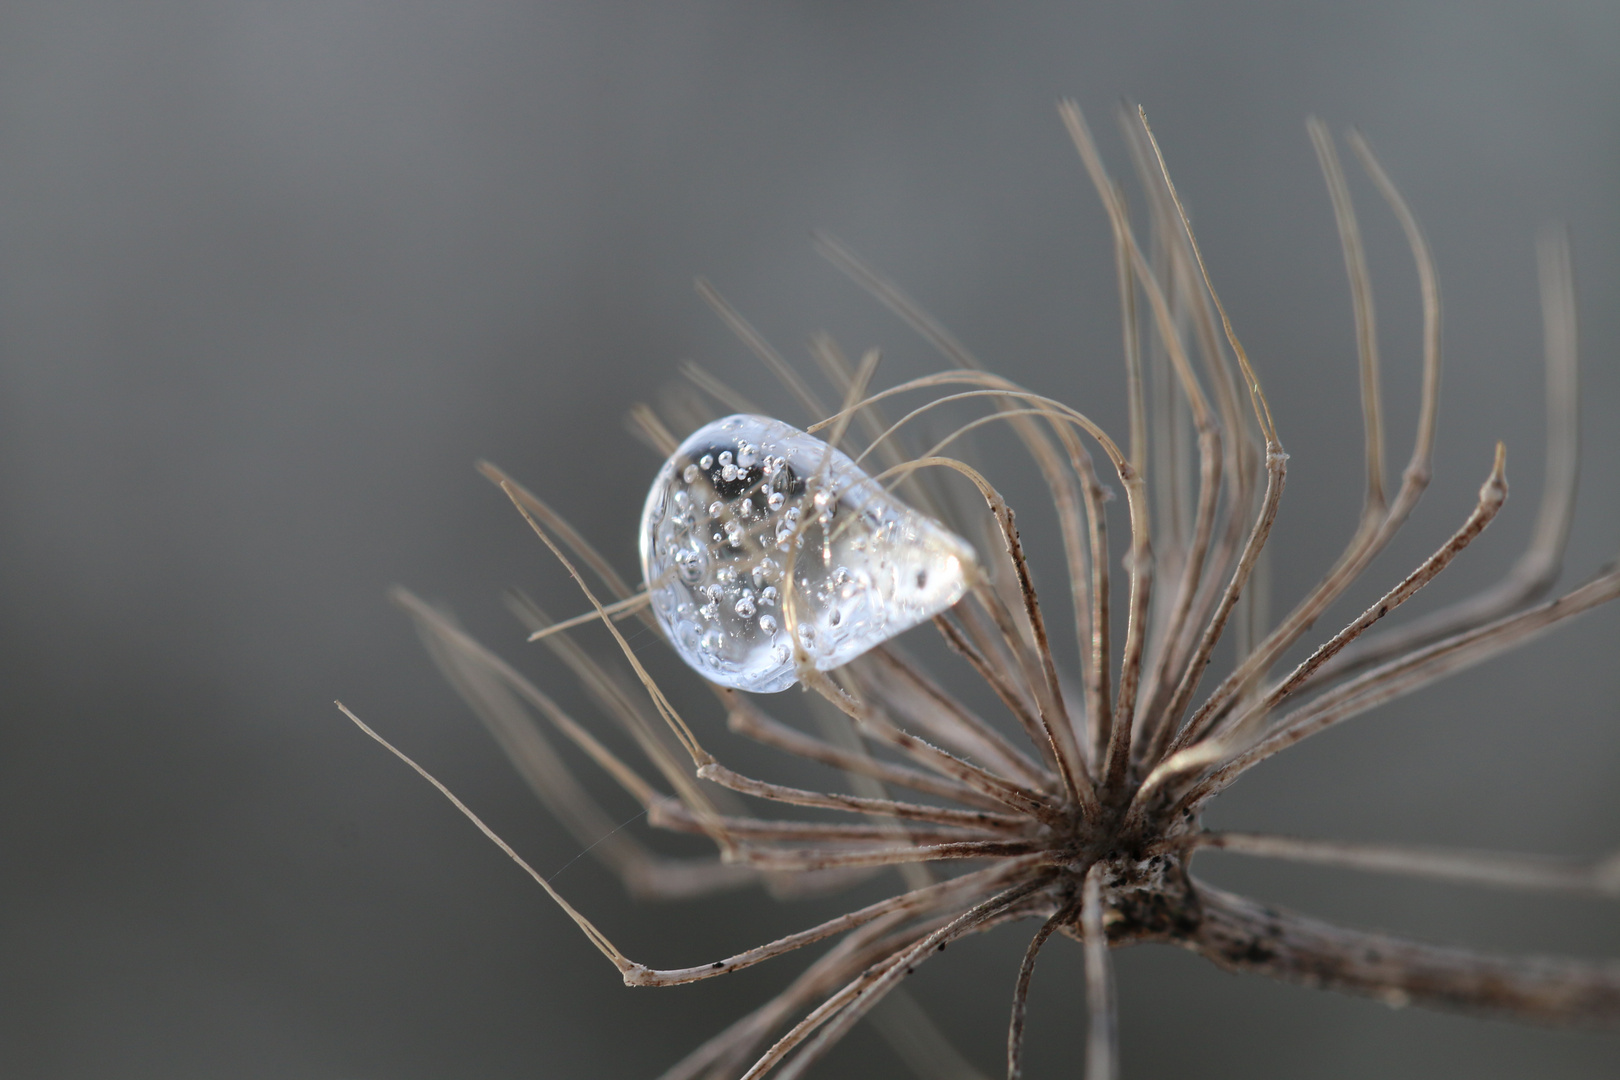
(1024, 711)
(618, 611)
(595, 936)
(770, 858)
(938, 815)
(1054, 718)
(1491, 869)
(1402, 676)
(874, 726)
(1224, 739)
(1276, 468)
(954, 723)
(744, 718)
(716, 387)
(1102, 1036)
(1538, 567)
(1361, 299)
(532, 504)
(1374, 532)
(673, 816)
(645, 424)
(689, 743)
(509, 721)
(838, 1022)
(722, 1055)
(910, 904)
(1026, 971)
(618, 701)
(760, 348)
(1237, 453)
(1087, 628)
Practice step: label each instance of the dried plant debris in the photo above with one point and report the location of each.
(771, 556)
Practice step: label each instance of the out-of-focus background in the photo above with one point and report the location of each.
(273, 276)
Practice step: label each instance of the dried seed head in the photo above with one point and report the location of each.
(770, 556)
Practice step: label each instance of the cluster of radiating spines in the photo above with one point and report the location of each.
(1102, 795)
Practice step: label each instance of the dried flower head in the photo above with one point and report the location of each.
(1088, 819)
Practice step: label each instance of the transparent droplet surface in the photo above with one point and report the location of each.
(753, 529)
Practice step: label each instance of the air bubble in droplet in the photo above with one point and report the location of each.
(716, 508)
(706, 462)
(744, 607)
(767, 624)
(774, 501)
(724, 458)
(690, 474)
(747, 455)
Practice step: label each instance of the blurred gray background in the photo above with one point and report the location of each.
(273, 275)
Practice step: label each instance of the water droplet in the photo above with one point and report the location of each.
(882, 569)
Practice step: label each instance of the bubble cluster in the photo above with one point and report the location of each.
(754, 530)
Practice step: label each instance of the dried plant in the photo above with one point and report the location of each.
(1091, 826)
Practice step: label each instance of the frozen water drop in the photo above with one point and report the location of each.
(864, 566)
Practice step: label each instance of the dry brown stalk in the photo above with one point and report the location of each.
(1093, 827)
